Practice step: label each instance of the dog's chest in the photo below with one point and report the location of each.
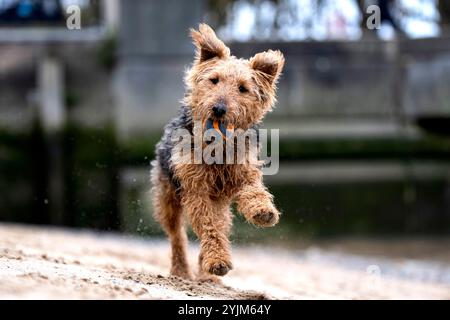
(226, 180)
(218, 181)
(223, 180)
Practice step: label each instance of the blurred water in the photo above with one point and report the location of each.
(318, 198)
(327, 199)
(408, 269)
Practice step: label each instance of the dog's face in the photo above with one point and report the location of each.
(234, 91)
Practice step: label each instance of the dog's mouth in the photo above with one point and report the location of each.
(223, 128)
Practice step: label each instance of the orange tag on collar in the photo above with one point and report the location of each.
(219, 127)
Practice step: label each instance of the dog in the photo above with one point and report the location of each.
(224, 92)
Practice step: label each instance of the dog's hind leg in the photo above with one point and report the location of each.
(169, 213)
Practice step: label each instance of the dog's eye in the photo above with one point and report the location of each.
(242, 89)
(214, 80)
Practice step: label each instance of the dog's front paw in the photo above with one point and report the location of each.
(265, 218)
(217, 267)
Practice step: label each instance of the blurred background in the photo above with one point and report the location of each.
(364, 115)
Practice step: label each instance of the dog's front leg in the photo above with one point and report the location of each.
(211, 223)
(256, 204)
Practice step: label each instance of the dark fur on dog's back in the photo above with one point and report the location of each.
(165, 147)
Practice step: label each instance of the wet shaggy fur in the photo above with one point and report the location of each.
(203, 193)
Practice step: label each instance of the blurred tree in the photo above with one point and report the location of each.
(444, 12)
(91, 13)
(387, 15)
(218, 11)
(286, 12)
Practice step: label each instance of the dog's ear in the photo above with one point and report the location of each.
(268, 66)
(208, 45)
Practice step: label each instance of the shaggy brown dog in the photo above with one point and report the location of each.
(231, 91)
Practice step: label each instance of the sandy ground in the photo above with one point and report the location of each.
(61, 264)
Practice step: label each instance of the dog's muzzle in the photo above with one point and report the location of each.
(219, 109)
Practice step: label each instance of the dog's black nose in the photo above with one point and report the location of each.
(219, 109)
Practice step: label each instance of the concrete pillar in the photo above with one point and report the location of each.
(52, 117)
(110, 9)
(154, 49)
(52, 112)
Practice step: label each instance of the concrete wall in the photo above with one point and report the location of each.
(87, 95)
(324, 83)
